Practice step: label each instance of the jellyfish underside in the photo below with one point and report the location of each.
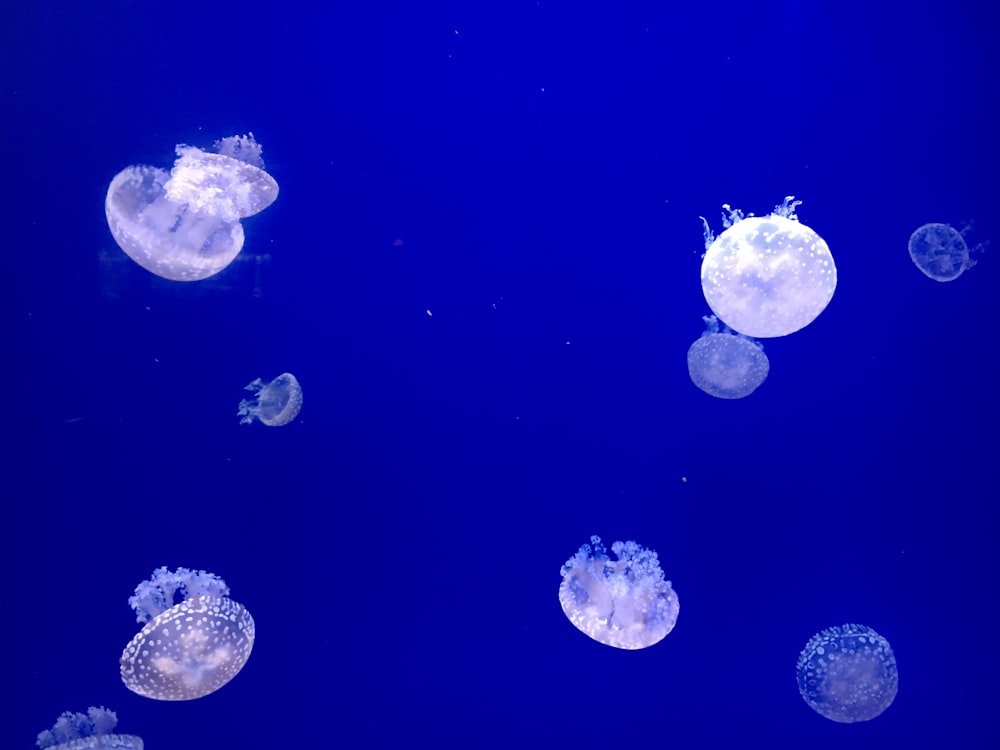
(727, 365)
(185, 225)
(940, 252)
(275, 404)
(625, 603)
(186, 650)
(90, 731)
(848, 674)
(768, 276)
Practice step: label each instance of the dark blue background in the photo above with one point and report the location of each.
(532, 174)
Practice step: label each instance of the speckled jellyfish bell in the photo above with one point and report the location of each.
(624, 603)
(726, 364)
(188, 649)
(185, 225)
(767, 276)
(89, 731)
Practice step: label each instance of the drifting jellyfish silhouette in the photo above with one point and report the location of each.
(727, 364)
(624, 603)
(190, 649)
(89, 731)
(185, 225)
(848, 673)
(940, 251)
(767, 276)
(275, 404)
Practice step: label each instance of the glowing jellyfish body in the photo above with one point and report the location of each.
(940, 252)
(767, 276)
(89, 731)
(190, 649)
(848, 673)
(185, 225)
(275, 404)
(727, 364)
(624, 603)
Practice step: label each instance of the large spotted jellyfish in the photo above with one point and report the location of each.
(185, 225)
(275, 403)
(848, 673)
(940, 251)
(625, 603)
(89, 731)
(767, 276)
(726, 364)
(187, 649)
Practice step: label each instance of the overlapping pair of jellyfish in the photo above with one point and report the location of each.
(771, 276)
(845, 673)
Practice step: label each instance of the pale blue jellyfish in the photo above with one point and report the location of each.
(624, 603)
(89, 731)
(767, 276)
(848, 673)
(195, 638)
(941, 252)
(726, 364)
(185, 225)
(275, 404)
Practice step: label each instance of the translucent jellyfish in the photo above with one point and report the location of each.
(848, 673)
(89, 731)
(727, 364)
(767, 276)
(188, 649)
(941, 252)
(275, 404)
(185, 225)
(625, 603)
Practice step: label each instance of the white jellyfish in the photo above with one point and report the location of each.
(727, 364)
(848, 673)
(275, 404)
(89, 731)
(188, 649)
(624, 603)
(940, 251)
(767, 276)
(185, 225)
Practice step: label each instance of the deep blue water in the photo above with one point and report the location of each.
(483, 267)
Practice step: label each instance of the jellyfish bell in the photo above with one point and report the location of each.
(185, 225)
(89, 731)
(767, 276)
(848, 673)
(726, 364)
(188, 649)
(940, 251)
(274, 404)
(624, 603)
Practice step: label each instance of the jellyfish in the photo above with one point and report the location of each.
(275, 404)
(624, 603)
(727, 364)
(89, 731)
(848, 673)
(941, 252)
(188, 649)
(767, 276)
(185, 225)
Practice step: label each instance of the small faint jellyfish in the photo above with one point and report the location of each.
(625, 603)
(848, 673)
(727, 364)
(185, 225)
(89, 731)
(275, 404)
(767, 276)
(188, 649)
(940, 251)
